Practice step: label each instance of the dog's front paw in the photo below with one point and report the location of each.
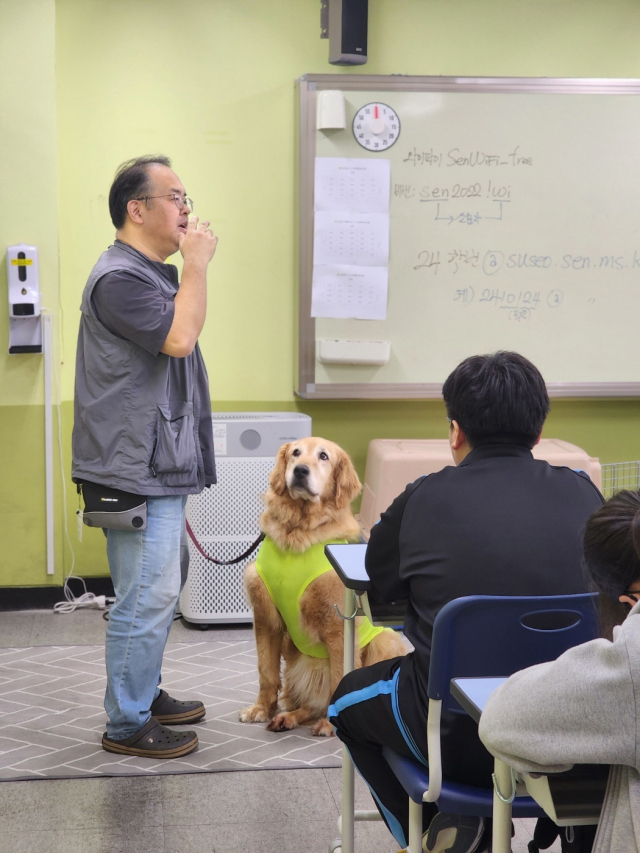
(255, 714)
(323, 728)
(283, 722)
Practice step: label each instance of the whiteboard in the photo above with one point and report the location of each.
(514, 225)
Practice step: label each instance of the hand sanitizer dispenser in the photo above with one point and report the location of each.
(25, 322)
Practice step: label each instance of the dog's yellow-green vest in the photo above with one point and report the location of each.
(286, 575)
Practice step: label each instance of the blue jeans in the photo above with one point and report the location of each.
(148, 569)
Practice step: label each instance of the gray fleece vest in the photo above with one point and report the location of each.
(136, 415)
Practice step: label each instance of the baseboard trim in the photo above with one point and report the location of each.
(44, 597)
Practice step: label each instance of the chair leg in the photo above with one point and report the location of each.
(347, 815)
(502, 794)
(415, 827)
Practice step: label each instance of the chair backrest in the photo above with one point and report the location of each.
(485, 635)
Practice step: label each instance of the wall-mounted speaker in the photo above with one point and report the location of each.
(348, 32)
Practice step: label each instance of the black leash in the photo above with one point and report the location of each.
(222, 562)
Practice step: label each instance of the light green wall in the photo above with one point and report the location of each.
(28, 214)
(211, 84)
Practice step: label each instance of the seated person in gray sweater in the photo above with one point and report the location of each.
(583, 707)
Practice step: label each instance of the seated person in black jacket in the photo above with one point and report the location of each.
(498, 523)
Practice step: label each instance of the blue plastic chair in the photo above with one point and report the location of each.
(480, 636)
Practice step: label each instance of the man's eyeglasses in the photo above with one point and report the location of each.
(177, 200)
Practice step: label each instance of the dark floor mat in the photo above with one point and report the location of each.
(52, 717)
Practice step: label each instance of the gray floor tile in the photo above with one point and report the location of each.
(363, 798)
(80, 628)
(75, 804)
(16, 627)
(186, 632)
(275, 836)
(112, 840)
(86, 626)
(287, 796)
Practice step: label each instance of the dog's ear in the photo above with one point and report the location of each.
(277, 478)
(348, 485)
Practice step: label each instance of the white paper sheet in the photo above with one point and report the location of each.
(351, 238)
(352, 184)
(361, 239)
(349, 292)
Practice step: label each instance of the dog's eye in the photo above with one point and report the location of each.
(323, 456)
(296, 452)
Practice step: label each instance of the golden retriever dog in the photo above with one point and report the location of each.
(307, 505)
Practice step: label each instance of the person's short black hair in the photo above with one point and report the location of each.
(497, 399)
(131, 181)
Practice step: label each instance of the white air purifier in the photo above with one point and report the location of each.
(225, 517)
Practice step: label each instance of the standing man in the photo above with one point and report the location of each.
(143, 427)
(498, 523)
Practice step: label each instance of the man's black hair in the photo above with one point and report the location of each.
(497, 399)
(131, 181)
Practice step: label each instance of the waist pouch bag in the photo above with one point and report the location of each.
(113, 509)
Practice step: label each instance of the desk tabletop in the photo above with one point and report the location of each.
(348, 561)
(472, 693)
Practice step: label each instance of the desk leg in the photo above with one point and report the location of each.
(347, 828)
(501, 810)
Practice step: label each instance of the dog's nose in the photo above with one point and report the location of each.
(301, 471)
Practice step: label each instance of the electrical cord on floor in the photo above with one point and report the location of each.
(85, 600)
